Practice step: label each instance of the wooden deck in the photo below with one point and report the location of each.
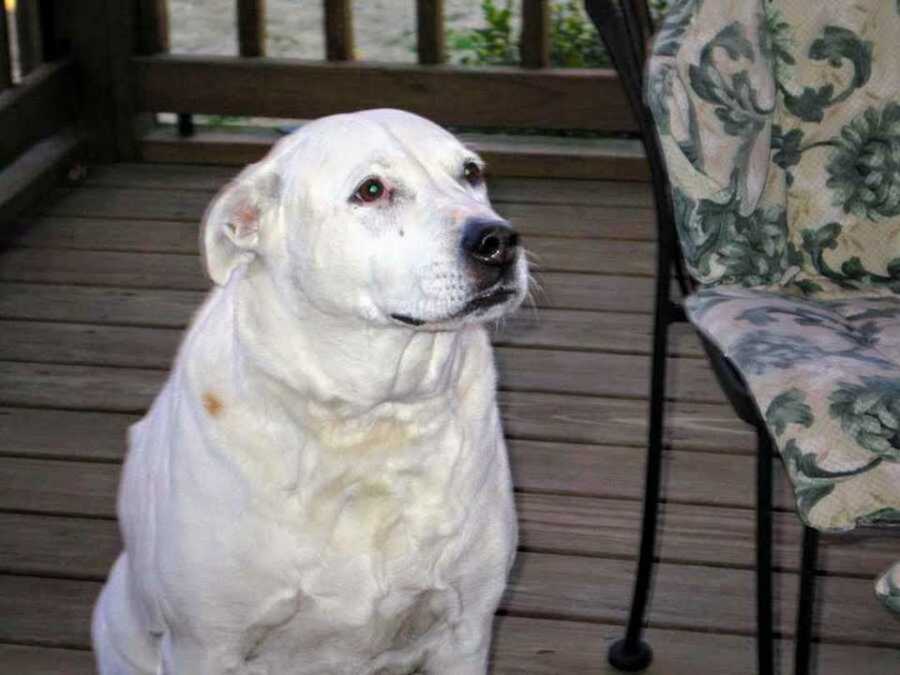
(94, 295)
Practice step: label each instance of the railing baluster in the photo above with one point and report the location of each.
(153, 38)
(535, 42)
(28, 32)
(153, 26)
(430, 31)
(251, 15)
(5, 63)
(338, 30)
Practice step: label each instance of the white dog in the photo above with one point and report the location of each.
(322, 484)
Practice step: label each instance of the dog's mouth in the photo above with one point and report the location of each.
(488, 299)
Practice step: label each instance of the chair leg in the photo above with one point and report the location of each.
(631, 653)
(185, 124)
(806, 601)
(764, 639)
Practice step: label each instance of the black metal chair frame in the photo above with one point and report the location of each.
(625, 27)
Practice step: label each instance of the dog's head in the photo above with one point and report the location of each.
(381, 215)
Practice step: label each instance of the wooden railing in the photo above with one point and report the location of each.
(93, 73)
(39, 136)
(252, 84)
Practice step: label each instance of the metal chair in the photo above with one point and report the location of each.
(625, 27)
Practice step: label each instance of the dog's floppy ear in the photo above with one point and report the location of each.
(230, 231)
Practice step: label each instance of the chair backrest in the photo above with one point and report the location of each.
(780, 125)
(625, 26)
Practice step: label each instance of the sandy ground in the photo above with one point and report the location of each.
(384, 29)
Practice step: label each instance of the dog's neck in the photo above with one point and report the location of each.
(343, 362)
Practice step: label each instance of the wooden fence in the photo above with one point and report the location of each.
(93, 72)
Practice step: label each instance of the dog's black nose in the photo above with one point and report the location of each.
(490, 242)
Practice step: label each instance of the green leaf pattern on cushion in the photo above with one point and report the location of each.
(835, 45)
(802, 249)
(789, 407)
(853, 274)
(870, 414)
(812, 483)
(718, 241)
(826, 373)
(864, 169)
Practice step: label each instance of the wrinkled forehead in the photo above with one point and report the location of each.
(333, 152)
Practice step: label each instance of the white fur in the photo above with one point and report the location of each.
(320, 488)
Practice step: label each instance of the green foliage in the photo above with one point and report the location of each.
(493, 45)
(574, 42)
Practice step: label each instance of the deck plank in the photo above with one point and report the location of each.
(553, 417)
(189, 205)
(541, 585)
(40, 483)
(561, 290)
(84, 547)
(540, 190)
(614, 332)
(557, 254)
(546, 647)
(98, 290)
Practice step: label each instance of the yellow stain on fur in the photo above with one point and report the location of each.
(386, 433)
(212, 404)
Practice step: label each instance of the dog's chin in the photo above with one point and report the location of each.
(485, 306)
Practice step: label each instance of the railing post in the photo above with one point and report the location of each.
(28, 32)
(153, 38)
(251, 21)
(5, 61)
(101, 36)
(534, 46)
(153, 27)
(338, 30)
(430, 31)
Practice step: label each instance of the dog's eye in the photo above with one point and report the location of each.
(371, 190)
(472, 173)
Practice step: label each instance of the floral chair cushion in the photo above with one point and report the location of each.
(887, 588)
(780, 124)
(826, 377)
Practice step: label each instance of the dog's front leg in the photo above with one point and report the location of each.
(467, 653)
(187, 656)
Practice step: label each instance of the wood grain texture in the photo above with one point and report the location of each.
(534, 45)
(95, 331)
(616, 332)
(519, 369)
(35, 172)
(559, 290)
(545, 647)
(549, 586)
(604, 193)
(339, 30)
(38, 106)
(78, 547)
(548, 417)
(526, 156)
(30, 660)
(549, 98)
(546, 254)
(430, 31)
(251, 25)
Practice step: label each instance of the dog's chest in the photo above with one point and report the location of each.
(386, 487)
